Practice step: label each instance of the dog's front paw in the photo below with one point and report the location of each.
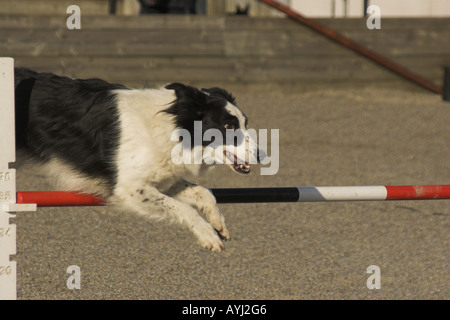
(208, 238)
(217, 220)
(223, 232)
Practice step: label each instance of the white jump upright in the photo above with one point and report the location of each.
(8, 205)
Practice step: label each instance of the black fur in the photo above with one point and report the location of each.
(77, 121)
(206, 105)
(70, 119)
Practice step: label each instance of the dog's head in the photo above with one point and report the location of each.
(216, 126)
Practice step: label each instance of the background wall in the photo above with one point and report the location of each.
(147, 50)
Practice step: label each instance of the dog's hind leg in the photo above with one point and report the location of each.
(149, 202)
(204, 201)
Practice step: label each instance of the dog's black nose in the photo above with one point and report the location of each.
(261, 155)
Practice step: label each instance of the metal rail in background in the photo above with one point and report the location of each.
(356, 47)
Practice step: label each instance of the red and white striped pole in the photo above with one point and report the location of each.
(253, 195)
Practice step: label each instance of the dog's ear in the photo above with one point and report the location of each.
(189, 99)
(175, 86)
(219, 92)
(183, 91)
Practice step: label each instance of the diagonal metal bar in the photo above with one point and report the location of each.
(356, 47)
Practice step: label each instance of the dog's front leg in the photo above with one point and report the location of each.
(204, 201)
(149, 202)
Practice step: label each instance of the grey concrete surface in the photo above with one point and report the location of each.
(329, 135)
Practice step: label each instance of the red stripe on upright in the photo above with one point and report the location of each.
(418, 192)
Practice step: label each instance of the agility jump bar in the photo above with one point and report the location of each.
(263, 195)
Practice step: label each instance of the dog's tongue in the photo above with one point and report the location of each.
(239, 166)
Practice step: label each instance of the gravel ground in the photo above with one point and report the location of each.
(329, 135)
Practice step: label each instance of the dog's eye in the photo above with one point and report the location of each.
(229, 126)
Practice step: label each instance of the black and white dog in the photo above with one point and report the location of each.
(100, 138)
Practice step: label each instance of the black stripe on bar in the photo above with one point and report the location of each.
(253, 195)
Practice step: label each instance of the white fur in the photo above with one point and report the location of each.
(235, 111)
(66, 178)
(148, 182)
(247, 150)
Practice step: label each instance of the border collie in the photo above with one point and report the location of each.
(95, 137)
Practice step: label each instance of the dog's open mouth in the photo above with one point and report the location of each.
(238, 166)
